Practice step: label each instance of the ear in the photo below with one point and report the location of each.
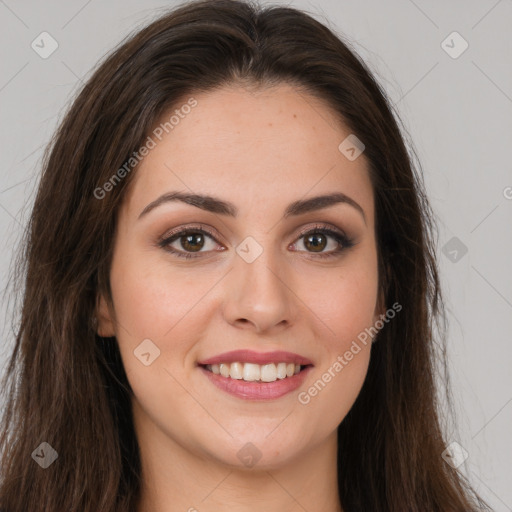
(105, 324)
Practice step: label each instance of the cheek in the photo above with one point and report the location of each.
(151, 298)
(345, 345)
(330, 395)
(345, 306)
(343, 299)
(169, 305)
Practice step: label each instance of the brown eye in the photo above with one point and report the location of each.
(323, 242)
(192, 242)
(316, 242)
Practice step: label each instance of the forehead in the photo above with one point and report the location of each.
(266, 147)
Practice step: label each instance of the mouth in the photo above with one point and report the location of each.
(251, 372)
(256, 376)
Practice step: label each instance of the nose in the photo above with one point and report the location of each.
(259, 295)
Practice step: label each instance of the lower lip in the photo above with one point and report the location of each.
(257, 390)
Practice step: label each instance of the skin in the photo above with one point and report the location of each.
(260, 149)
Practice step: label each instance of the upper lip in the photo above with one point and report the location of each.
(249, 356)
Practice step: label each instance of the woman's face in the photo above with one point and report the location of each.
(252, 283)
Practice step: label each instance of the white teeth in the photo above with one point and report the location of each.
(281, 370)
(236, 371)
(251, 372)
(268, 373)
(224, 370)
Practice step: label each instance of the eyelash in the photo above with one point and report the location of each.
(339, 237)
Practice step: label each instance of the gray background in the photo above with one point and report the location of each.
(457, 110)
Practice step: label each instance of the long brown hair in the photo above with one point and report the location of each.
(66, 386)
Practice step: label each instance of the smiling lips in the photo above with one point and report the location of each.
(253, 375)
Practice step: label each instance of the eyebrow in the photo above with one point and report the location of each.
(216, 205)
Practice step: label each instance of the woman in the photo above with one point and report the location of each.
(230, 290)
